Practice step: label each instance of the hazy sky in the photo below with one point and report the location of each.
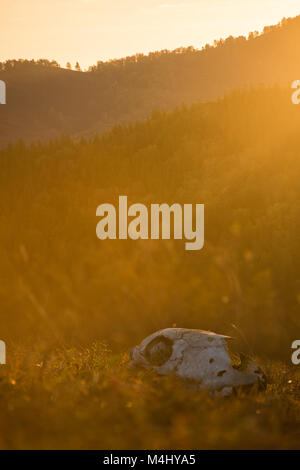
(91, 30)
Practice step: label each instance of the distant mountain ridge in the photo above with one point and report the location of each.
(44, 100)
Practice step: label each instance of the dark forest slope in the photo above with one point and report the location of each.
(238, 156)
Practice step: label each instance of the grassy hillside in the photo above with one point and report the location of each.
(238, 156)
(44, 100)
(86, 398)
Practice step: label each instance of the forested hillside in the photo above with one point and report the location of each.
(239, 156)
(44, 100)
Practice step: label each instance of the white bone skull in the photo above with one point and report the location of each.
(201, 357)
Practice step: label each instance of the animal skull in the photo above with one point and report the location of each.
(201, 357)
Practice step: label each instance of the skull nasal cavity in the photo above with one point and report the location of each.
(159, 351)
(221, 373)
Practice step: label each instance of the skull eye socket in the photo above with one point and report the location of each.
(159, 351)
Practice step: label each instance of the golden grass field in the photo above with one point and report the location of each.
(62, 288)
(87, 398)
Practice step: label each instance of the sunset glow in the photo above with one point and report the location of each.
(92, 30)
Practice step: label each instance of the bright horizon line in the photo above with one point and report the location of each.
(88, 31)
(200, 48)
(147, 53)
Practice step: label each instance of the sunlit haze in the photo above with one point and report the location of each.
(92, 30)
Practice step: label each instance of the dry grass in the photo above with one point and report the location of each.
(88, 399)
